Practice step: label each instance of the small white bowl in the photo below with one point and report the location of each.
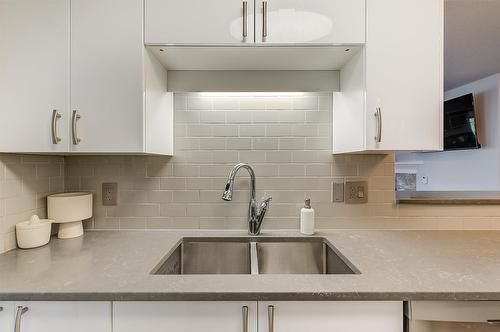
(32, 235)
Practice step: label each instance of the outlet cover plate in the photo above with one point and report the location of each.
(338, 192)
(109, 193)
(356, 192)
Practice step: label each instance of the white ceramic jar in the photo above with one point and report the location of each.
(33, 233)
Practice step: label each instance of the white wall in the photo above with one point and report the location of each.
(464, 170)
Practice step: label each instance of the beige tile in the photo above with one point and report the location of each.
(292, 143)
(199, 103)
(265, 116)
(212, 117)
(278, 130)
(305, 103)
(265, 143)
(238, 117)
(226, 130)
(237, 143)
(252, 131)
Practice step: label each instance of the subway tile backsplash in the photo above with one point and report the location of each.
(288, 141)
(25, 181)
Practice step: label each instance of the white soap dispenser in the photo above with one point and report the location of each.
(307, 218)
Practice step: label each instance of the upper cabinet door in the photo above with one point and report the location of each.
(404, 74)
(199, 22)
(306, 21)
(107, 76)
(34, 61)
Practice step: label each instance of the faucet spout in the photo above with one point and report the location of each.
(255, 215)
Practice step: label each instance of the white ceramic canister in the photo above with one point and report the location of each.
(33, 233)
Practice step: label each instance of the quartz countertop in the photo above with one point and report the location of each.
(394, 265)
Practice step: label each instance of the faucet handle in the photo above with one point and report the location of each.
(266, 200)
(265, 203)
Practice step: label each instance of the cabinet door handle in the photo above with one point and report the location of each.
(245, 318)
(264, 19)
(55, 116)
(493, 321)
(21, 310)
(74, 119)
(245, 19)
(378, 116)
(270, 318)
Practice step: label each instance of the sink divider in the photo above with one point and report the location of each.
(254, 261)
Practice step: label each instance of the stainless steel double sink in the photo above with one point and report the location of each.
(254, 255)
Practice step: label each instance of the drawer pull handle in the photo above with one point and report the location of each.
(74, 121)
(493, 321)
(55, 116)
(245, 318)
(270, 318)
(378, 116)
(21, 310)
(264, 19)
(245, 19)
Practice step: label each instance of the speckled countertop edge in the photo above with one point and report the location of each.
(395, 265)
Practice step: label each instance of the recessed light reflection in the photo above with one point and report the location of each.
(251, 94)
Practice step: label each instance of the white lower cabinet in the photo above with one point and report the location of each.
(44, 316)
(7, 315)
(277, 316)
(312, 316)
(184, 316)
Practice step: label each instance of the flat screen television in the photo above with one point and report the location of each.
(460, 129)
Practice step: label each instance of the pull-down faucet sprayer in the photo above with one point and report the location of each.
(255, 215)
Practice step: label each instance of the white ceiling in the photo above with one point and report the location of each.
(472, 40)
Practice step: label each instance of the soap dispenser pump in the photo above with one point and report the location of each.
(307, 218)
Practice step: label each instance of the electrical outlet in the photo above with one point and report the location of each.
(356, 192)
(338, 192)
(109, 193)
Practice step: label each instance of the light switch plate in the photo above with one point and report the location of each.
(109, 193)
(356, 192)
(338, 192)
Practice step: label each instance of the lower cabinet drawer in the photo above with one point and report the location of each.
(185, 316)
(455, 311)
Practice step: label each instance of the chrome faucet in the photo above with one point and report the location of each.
(255, 216)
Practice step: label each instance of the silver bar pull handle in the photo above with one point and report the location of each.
(74, 119)
(21, 310)
(264, 19)
(245, 318)
(493, 321)
(55, 116)
(245, 19)
(270, 318)
(378, 116)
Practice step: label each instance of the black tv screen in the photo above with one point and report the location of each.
(460, 130)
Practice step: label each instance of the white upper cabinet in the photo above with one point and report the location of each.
(199, 22)
(392, 93)
(75, 78)
(34, 71)
(273, 21)
(106, 76)
(404, 74)
(119, 99)
(306, 21)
